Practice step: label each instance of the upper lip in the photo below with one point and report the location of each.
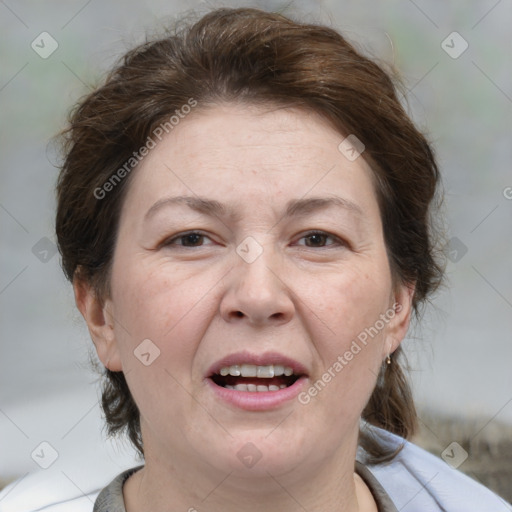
(265, 359)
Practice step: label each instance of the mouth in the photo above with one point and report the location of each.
(256, 382)
(252, 378)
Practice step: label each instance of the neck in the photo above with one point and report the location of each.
(327, 485)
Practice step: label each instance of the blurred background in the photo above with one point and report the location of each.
(454, 58)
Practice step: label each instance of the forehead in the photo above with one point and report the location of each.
(251, 154)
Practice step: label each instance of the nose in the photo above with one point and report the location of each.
(256, 293)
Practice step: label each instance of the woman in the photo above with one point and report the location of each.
(244, 211)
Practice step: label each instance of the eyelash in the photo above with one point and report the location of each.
(337, 241)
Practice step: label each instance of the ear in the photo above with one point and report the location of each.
(99, 322)
(398, 325)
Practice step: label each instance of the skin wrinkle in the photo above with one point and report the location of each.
(186, 305)
(215, 208)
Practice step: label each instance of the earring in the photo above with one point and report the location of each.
(388, 359)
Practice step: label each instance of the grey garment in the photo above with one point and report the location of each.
(111, 498)
(381, 497)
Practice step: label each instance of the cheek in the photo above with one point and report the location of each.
(152, 297)
(350, 309)
(352, 301)
(164, 307)
(169, 306)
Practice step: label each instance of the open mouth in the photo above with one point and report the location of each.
(253, 378)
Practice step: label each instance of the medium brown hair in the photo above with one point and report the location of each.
(256, 57)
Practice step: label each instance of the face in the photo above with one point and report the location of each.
(273, 259)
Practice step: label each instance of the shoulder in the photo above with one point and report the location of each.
(419, 481)
(37, 492)
(56, 492)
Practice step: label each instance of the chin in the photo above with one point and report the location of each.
(261, 453)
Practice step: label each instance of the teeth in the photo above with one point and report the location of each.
(248, 370)
(265, 372)
(256, 388)
(230, 370)
(278, 370)
(251, 370)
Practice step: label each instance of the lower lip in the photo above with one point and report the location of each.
(258, 400)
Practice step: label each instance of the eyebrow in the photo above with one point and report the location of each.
(294, 207)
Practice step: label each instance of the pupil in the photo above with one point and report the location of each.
(319, 237)
(193, 237)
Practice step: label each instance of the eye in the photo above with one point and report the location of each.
(317, 239)
(190, 239)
